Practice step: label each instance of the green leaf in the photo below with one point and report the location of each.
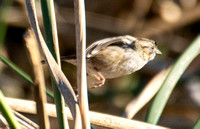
(197, 124)
(21, 73)
(8, 114)
(46, 13)
(168, 85)
(16, 69)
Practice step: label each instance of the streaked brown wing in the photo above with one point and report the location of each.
(98, 45)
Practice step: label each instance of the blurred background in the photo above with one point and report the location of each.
(173, 24)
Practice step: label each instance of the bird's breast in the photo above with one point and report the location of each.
(115, 62)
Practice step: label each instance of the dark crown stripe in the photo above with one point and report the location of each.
(123, 45)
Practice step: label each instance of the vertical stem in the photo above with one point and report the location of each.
(51, 39)
(58, 76)
(39, 83)
(79, 9)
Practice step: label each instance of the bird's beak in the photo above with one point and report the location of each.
(158, 52)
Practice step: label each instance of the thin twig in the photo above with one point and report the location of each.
(79, 9)
(98, 119)
(39, 83)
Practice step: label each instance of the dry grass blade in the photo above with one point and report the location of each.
(79, 9)
(147, 94)
(59, 77)
(3, 122)
(25, 122)
(99, 119)
(54, 32)
(39, 83)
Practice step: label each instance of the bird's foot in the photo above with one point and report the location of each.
(101, 80)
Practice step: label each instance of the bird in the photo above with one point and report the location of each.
(116, 56)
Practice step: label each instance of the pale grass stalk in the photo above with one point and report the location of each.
(79, 10)
(99, 119)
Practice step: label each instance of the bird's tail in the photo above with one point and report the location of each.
(70, 59)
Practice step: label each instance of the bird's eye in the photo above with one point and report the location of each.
(155, 43)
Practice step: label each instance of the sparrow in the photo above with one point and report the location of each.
(116, 56)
